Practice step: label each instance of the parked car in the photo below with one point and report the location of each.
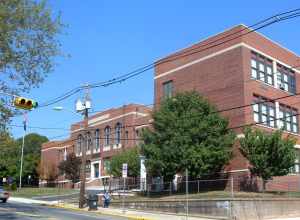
(4, 195)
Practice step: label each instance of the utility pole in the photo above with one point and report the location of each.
(83, 107)
(22, 150)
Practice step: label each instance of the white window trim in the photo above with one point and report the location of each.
(117, 146)
(277, 117)
(106, 148)
(93, 169)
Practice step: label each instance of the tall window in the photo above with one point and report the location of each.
(264, 111)
(88, 166)
(296, 167)
(288, 119)
(97, 139)
(118, 133)
(107, 136)
(79, 144)
(65, 153)
(126, 137)
(106, 166)
(168, 89)
(89, 141)
(286, 79)
(262, 68)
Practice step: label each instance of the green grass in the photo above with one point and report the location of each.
(213, 195)
(35, 192)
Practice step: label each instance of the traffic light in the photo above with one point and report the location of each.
(24, 103)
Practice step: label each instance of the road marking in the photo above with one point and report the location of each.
(27, 214)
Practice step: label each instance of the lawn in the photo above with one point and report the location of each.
(36, 192)
(212, 195)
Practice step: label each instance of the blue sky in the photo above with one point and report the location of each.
(109, 38)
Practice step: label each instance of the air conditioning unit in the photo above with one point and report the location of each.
(281, 86)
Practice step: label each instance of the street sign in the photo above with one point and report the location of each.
(124, 170)
(10, 180)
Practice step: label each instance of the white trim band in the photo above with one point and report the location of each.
(221, 52)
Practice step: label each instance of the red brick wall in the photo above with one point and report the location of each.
(130, 116)
(224, 79)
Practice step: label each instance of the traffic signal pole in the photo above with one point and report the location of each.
(22, 152)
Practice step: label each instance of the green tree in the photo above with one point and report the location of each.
(71, 168)
(28, 46)
(32, 155)
(10, 153)
(187, 133)
(269, 153)
(131, 157)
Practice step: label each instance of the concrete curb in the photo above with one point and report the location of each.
(31, 201)
(102, 213)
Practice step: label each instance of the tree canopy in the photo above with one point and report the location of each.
(187, 133)
(70, 167)
(28, 46)
(131, 157)
(269, 153)
(10, 153)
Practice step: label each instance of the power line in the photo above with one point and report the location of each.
(37, 127)
(273, 19)
(230, 128)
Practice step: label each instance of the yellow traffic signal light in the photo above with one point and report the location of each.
(24, 103)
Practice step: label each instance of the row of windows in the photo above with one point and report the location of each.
(262, 69)
(107, 138)
(264, 112)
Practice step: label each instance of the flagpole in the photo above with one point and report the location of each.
(22, 152)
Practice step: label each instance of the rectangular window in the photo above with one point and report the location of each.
(262, 68)
(97, 140)
(106, 166)
(288, 119)
(286, 79)
(126, 137)
(168, 89)
(296, 168)
(264, 111)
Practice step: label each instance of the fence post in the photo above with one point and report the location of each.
(187, 193)
(231, 186)
(198, 186)
(170, 189)
(289, 190)
(123, 200)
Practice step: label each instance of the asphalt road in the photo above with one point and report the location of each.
(20, 211)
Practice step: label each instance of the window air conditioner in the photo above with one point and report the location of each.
(281, 86)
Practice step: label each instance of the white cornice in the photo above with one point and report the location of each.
(53, 148)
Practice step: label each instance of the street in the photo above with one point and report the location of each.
(18, 211)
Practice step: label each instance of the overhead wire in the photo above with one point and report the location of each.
(276, 18)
